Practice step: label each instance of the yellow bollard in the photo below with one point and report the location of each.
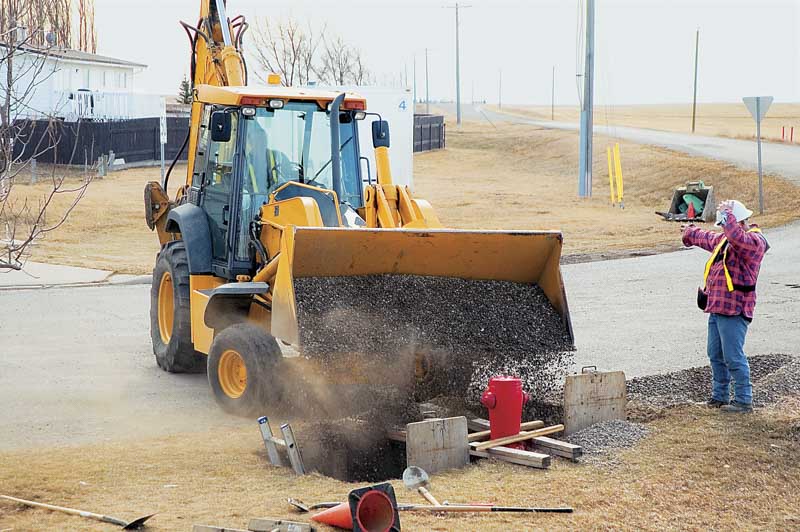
(618, 166)
(610, 175)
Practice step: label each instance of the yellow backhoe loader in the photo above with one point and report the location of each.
(275, 192)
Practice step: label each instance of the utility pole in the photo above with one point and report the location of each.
(500, 91)
(694, 99)
(427, 93)
(458, 67)
(585, 164)
(553, 95)
(414, 94)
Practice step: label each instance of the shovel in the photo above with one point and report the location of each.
(126, 525)
(416, 478)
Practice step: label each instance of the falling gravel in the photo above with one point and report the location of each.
(609, 435)
(454, 332)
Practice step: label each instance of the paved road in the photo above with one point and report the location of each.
(781, 159)
(76, 363)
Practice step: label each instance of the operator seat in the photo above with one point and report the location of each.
(325, 202)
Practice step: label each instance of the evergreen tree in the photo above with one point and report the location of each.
(185, 91)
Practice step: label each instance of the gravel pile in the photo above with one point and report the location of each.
(773, 376)
(464, 330)
(783, 382)
(607, 435)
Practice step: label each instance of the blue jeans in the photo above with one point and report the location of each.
(726, 352)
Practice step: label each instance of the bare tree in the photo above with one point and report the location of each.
(25, 67)
(54, 17)
(286, 48)
(298, 53)
(359, 71)
(336, 62)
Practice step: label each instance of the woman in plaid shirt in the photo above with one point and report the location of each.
(729, 297)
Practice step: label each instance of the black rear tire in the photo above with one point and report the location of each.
(172, 337)
(261, 357)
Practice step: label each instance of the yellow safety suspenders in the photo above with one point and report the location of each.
(728, 280)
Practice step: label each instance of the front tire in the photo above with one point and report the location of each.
(243, 367)
(170, 315)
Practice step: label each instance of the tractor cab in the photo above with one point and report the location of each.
(251, 159)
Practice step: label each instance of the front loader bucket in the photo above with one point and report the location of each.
(530, 257)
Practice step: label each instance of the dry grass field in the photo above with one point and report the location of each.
(512, 177)
(698, 470)
(713, 119)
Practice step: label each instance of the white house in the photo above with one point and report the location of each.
(70, 84)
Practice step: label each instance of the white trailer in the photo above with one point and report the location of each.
(397, 107)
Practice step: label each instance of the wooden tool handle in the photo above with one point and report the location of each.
(428, 496)
(481, 508)
(71, 511)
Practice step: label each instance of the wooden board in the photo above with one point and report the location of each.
(522, 436)
(515, 456)
(484, 434)
(268, 524)
(437, 444)
(557, 447)
(478, 424)
(593, 397)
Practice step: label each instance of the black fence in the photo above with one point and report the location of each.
(138, 140)
(429, 132)
(83, 142)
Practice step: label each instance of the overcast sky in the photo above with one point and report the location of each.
(645, 48)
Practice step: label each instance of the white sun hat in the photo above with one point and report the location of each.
(740, 212)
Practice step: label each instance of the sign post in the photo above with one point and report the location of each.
(163, 130)
(758, 105)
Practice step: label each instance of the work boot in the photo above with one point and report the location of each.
(716, 403)
(737, 408)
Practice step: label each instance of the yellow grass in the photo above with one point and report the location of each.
(513, 177)
(713, 119)
(699, 469)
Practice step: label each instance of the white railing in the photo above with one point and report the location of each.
(96, 105)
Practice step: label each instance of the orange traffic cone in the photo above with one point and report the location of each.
(338, 516)
(691, 214)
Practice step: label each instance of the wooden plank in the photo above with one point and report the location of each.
(593, 397)
(522, 436)
(295, 458)
(515, 456)
(557, 447)
(437, 444)
(209, 528)
(267, 524)
(478, 424)
(396, 435)
(269, 443)
(482, 435)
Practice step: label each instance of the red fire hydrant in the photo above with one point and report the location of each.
(504, 398)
